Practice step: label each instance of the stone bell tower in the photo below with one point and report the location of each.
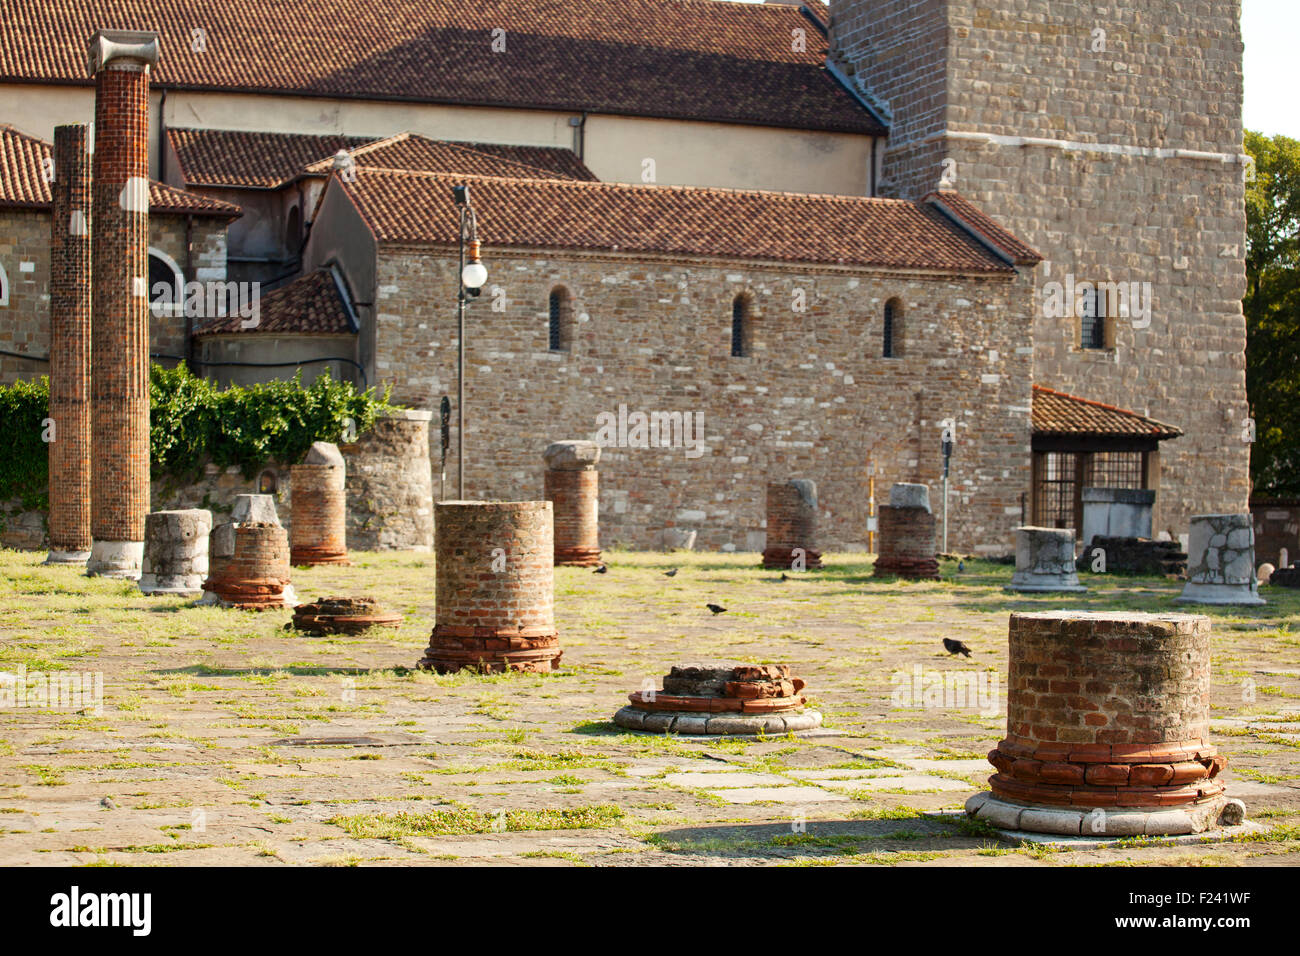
(1108, 137)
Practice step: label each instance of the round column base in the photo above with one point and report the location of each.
(67, 557)
(782, 559)
(177, 585)
(577, 557)
(310, 557)
(686, 722)
(1102, 822)
(115, 559)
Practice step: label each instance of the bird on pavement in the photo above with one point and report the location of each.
(601, 570)
(961, 566)
(715, 608)
(671, 574)
(955, 647)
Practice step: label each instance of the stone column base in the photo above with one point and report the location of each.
(920, 569)
(491, 650)
(687, 722)
(182, 585)
(1024, 583)
(305, 557)
(781, 559)
(116, 559)
(1235, 594)
(577, 557)
(67, 557)
(1101, 823)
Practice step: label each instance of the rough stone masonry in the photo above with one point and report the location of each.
(119, 485)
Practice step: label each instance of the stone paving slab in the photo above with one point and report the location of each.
(779, 795)
(722, 779)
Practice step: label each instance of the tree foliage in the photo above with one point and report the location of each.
(1272, 307)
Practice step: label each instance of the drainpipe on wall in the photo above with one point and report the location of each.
(188, 346)
(579, 124)
(162, 138)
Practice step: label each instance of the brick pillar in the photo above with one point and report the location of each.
(256, 576)
(119, 483)
(495, 599)
(571, 485)
(791, 524)
(318, 529)
(1108, 727)
(906, 547)
(70, 312)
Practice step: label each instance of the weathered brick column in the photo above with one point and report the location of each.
(1221, 561)
(318, 529)
(571, 485)
(256, 576)
(791, 524)
(906, 547)
(1108, 726)
(119, 485)
(176, 552)
(70, 333)
(495, 587)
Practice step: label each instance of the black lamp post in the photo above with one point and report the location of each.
(472, 276)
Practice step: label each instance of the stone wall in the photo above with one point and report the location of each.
(814, 399)
(1106, 195)
(25, 321)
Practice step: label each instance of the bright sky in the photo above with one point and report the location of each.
(1270, 30)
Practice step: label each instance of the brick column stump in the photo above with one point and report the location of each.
(721, 699)
(495, 588)
(175, 552)
(1108, 726)
(70, 334)
(571, 485)
(1221, 561)
(1045, 562)
(791, 525)
(318, 531)
(906, 543)
(256, 576)
(119, 479)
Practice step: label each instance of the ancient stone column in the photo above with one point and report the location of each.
(70, 333)
(256, 576)
(390, 484)
(175, 552)
(1045, 561)
(318, 529)
(119, 485)
(495, 597)
(571, 485)
(791, 525)
(1221, 561)
(1108, 728)
(906, 541)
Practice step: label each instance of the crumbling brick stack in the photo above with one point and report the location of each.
(256, 577)
(1135, 556)
(495, 588)
(791, 525)
(906, 524)
(70, 335)
(744, 699)
(572, 487)
(1108, 725)
(318, 531)
(341, 615)
(119, 485)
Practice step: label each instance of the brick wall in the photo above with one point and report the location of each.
(1169, 78)
(815, 399)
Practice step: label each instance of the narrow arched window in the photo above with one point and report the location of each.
(891, 345)
(561, 320)
(741, 322)
(166, 284)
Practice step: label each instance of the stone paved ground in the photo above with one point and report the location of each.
(224, 739)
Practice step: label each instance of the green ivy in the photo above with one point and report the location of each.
(193, 422)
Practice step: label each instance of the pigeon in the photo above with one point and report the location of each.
(955, 647)
(601, 570)
(671, 574)
(785, 577)
(961, 566)
(715, 608)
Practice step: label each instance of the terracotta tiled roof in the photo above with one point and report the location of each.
(214, 157)
(310, 305)
(682, 59)
(974, 218)
(23, 184)
(417, 153)
(1056, 413)
(416, 208)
